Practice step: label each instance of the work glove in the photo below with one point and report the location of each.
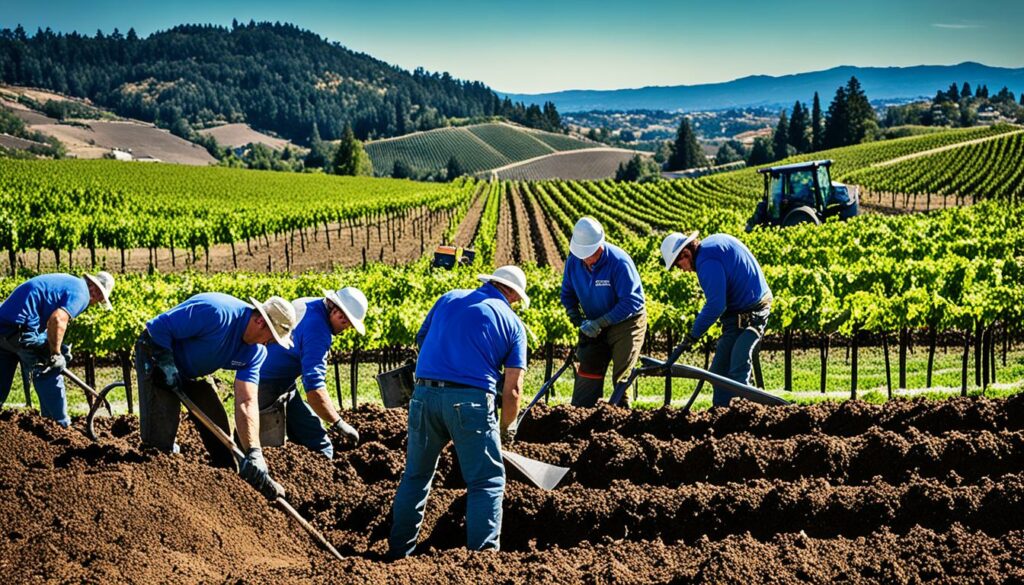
(165, 373)
(254, 471)
(509, 434)
(575, 317)
(55, 364)
(32, 340)
(340, 428)
(590, 328)
(65, 350)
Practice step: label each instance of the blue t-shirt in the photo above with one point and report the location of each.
(205, 334)
(308, 355)
(468, 335)
(731, 278)
(611, 288)
(34, 300)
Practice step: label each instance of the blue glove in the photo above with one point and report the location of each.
(55, 364)
(254, 471)
(590, 328)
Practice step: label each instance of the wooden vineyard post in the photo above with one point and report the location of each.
(354, 375)
(549, 350)
(963, 368)
(888, 367)
(337, 380)
(853, 364)
(787, 338)
(823, 354)
(126, 374)
(668, 377)
(904, 342)
(932, 340)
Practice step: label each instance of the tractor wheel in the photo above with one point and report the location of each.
(800, 215)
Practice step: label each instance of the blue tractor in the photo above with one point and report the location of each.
(803, 193)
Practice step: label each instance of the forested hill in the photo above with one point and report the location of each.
(274, 76)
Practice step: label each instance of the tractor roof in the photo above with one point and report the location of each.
(801, 166)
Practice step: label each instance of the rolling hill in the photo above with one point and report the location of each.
(477, 148)
(765, 90)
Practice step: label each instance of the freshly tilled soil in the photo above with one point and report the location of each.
(906, 492)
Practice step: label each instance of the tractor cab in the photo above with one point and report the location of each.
(802, 193)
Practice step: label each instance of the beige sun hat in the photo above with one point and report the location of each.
(512, 277)
(105, 282)
(673, 244)
(280, 316)
(353, 303)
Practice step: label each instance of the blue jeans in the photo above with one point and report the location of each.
(734, 352)
(465, 416)
(49, 387)
(302, 424)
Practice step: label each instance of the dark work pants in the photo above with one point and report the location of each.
(734, 351)
(160, 410)
(618, 344)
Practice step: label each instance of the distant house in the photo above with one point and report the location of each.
(118, 154)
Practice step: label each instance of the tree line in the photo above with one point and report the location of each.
(274, 76)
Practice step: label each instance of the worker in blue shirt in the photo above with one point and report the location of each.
(467, 338)
(181, 347)
(735, 291)
(319, 319)
(33, 321)
(603, 296)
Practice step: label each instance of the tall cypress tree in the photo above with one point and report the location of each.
(798, 138)
(861, 114)
(350, 158)
(817, 125)
(780, 139)
(686, 152)
(837, 121)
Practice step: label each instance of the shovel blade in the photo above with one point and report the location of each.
(543, 475)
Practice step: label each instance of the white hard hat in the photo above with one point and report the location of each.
(353, 303)
(587, 237)
(512, 277)
(105, 282)
(673, 244)
(280, 317)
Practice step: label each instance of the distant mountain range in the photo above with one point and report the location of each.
(764, 90)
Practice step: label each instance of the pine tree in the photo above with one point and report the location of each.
(761, 152)
(317, 157)
(837, 121)
(780, 139)
(350, 158)
(817, 125)
(965, 92)
(797, 134)
(686, 152)
(861, 114)
(953, 93)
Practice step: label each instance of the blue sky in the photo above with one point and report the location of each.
(535, 46)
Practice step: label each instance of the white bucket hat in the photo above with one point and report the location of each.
(105, 282)
(587, 237)
(280, 317)
(353, 303)
(512, 277)
(673, 244)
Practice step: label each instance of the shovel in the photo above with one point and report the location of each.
(230, 444)
(543, 475)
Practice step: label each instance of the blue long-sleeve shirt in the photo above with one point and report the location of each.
(33, 301)
(308, 355)
(611, 288)
(205, 335)
(468, 335)
(731, 278)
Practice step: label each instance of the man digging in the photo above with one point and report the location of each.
(180, 348)
(603, 296)
(735, 290)
(467, 338)
(319, 319)
(33, 321)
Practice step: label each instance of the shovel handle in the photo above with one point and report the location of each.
(88, 390)
(544, 387)
(230, 444)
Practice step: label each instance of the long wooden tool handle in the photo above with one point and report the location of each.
(85, 387)
(230, 444)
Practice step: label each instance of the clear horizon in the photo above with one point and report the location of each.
(535, 47)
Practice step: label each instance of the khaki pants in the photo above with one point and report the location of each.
(617, 344)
